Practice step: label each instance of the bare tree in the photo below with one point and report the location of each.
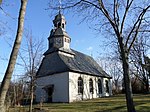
(140, 49)
(31, 55)
(1, 26)
(16, 92)
(147, 68)
(112, 65)
(13, 56)
(147, 64)
(124, 19)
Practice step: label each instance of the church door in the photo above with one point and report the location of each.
(50, 93)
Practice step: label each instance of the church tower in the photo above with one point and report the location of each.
(59, 40)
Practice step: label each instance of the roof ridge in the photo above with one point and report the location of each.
(82, 53)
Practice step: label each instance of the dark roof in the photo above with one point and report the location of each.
(59, 17)
(59, 32)
(81, 63)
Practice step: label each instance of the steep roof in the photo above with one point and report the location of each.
(58, 32)
(81, 63)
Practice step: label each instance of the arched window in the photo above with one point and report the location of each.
(59, 25)
(65, 40)
(99, 86)
(91, 86)
(63, 26)
(68, 40)
(80, 85)
(107, 86)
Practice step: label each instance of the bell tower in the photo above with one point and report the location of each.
(59, 40)
(59, 21)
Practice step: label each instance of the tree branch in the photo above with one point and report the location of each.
(128, 5)
(139, 21)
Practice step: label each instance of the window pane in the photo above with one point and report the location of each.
(107, 86)
(99, 86)
(91, 86)
(80, 85)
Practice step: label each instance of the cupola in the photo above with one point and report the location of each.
(59, 21)
(59, 39)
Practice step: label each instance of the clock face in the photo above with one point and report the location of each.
(58, 42)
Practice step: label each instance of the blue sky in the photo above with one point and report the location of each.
(39, 21)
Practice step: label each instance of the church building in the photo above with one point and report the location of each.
(66, 75)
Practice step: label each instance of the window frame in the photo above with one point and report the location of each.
(91, 88)
(100, 91)
(80, 85)
(107, 86)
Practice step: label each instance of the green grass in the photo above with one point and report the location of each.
(109, 104)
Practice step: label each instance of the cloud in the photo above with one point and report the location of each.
(90, 48)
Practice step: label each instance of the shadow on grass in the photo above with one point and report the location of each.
(140, 107)
(107, 104)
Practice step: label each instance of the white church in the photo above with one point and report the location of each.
(66, 75)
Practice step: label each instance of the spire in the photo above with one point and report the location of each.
(60, 6)
(59, 21)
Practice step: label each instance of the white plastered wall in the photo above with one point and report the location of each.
(73, 87)
(61, 87)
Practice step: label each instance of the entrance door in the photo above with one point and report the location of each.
(50, 93)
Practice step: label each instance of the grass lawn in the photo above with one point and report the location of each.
(109, 104)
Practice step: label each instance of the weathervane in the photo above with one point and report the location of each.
(60, 6)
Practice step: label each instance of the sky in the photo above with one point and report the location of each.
(39, 21)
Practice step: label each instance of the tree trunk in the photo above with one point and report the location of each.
(127, 81)
(147, 84)
(128, 88)
(13, 56)
(32, 93)
(0, 2)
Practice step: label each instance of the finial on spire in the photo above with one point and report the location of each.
(60, 6)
